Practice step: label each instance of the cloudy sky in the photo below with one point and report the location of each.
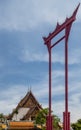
(24, 57)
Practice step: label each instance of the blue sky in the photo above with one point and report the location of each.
(24, 57)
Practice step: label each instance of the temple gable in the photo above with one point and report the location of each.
(26, 109)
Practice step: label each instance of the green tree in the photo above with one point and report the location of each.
(1, 117)
(41, 119)
(56, 120)
(16, 112)
(79, 121)
(77, 125)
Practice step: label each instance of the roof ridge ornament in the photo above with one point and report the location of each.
(75, 11)
(57, 26)
(62, 26)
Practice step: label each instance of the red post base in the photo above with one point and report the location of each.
(49, 123)
(66, 121)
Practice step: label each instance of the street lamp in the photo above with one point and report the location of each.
(47, 41)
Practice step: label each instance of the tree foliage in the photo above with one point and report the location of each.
(41, 118)
(56, 120)
(77, 125)
(2, 118)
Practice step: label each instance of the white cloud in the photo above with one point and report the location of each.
(24, 15)
(74, 57)
(74, 106)
(11, 97)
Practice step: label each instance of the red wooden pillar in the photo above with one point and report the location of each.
(66, 114)
(49, 117)
(66, 121)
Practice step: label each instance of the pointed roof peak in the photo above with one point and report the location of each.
(29, 88)
(75, 11)
(26, 98)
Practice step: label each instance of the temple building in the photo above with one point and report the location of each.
(26, 109)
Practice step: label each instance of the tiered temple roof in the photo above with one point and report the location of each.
(26, 109)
